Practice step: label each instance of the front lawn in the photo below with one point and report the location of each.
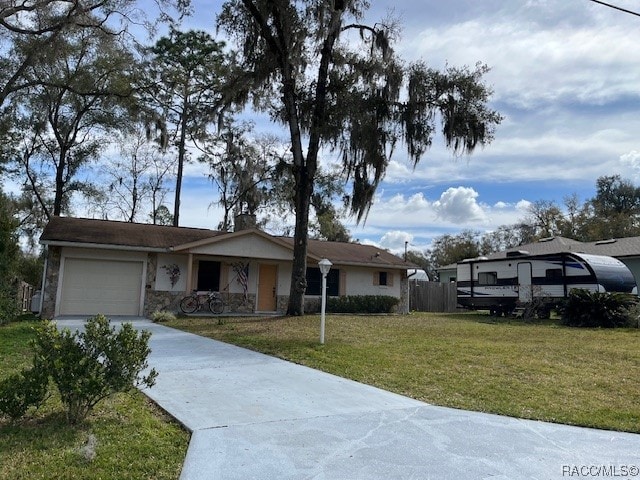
(128, 436)
(587, 377)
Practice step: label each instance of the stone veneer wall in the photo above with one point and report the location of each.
(236, 303)
(157, 301)
(52, 276)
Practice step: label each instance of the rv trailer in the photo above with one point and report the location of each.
(538, 281)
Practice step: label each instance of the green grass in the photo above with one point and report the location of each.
(586, 377)
(134, 439)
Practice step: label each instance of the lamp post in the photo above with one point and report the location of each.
(325, 266)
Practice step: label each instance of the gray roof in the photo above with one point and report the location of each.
(615, 247)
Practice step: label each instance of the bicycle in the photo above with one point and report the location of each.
(195, 301)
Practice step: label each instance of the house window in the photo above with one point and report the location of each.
(487, 278)
(208, 275)
(314, 282)
(554, 273)
(383, 278)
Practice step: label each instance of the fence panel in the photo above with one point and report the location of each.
(432, 296)
(25, 293)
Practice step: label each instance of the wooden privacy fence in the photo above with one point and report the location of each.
(432, 296)
(25, 293)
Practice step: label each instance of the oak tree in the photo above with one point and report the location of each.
(336, 83)
(76, 96)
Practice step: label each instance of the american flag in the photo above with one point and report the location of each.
(241, 270)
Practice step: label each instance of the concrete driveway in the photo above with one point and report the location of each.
(257, 417)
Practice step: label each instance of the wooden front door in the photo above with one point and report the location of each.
(267, 285)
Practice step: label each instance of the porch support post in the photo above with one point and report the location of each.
(189, 273)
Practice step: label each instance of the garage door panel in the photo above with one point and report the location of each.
(93, 286)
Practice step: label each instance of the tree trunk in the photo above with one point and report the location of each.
(305, 171)
(60, 183)
(304, 190)
(181, 155)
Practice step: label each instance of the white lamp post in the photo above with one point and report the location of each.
(325, 266)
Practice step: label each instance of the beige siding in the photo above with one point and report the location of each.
(364, 281)
(249, 246)
(163, 281)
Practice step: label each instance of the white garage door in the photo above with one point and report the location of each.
(100, 286)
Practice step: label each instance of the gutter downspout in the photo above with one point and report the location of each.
(44, 279)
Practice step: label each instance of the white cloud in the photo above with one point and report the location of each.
(395, 240)
(538, 61)
(459, 205)
(631, 163)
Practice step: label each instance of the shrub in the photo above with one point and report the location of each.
(8, 303)
(594, 309)
(21, 391)
(90, 366)
(162, 316)
(362, 304)
(633, 312)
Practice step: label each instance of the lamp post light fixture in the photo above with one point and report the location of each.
(325, 266)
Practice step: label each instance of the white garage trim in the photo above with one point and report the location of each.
(112, 286)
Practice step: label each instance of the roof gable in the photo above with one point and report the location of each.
(251, 243)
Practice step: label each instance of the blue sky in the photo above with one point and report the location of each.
(566, 77)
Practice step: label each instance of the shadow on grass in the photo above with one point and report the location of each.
(44, 432)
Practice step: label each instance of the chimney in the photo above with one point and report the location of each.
(244, 221)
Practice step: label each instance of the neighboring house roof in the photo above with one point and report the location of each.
(543, 246)
(615, 247)
(113, 234)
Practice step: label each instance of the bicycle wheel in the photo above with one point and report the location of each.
(216, 305)
(189, 304)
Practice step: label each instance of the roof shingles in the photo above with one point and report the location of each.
(158, 237)
(123, 234)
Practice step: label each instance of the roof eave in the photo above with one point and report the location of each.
(375, 265)
(102, 246)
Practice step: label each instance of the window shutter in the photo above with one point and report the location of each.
(390, 279)
(376, 278)
(343, 283)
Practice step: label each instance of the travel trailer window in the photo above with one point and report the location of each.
(554, 273)
(487, 278)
